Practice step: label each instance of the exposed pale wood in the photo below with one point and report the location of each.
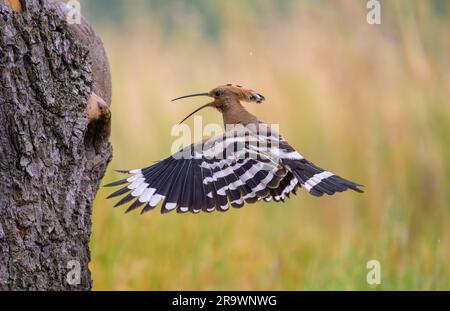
(16, 5)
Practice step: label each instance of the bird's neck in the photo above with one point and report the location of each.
(235, 113)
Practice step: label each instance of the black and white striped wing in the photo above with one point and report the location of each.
(203, 179)
(312, 178)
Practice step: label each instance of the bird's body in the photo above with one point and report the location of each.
(248, 163)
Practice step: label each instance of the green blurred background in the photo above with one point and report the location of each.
(369, 102)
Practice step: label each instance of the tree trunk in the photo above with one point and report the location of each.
(52, 154)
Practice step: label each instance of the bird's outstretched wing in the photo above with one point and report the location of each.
(223, 171)
(312, 178)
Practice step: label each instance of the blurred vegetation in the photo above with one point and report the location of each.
(369, 102)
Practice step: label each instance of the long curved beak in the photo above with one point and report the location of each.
(196, 110)
(192, 95)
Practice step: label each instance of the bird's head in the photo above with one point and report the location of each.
(225, 96)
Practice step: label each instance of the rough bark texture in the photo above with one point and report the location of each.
(51, 158)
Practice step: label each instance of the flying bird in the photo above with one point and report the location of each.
(250, 162)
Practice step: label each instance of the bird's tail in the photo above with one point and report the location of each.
(318, 181)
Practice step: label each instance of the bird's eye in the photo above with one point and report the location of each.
(217, 93)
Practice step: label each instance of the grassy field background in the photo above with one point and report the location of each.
(368, 102)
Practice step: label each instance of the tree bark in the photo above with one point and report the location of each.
(52, 154)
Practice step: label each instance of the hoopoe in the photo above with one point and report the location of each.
(245, 166)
